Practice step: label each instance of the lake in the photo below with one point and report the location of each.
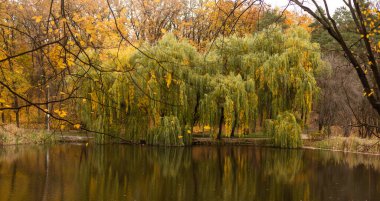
(210, 173)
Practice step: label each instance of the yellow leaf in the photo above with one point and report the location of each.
(371, 93)
(207, 127)
(2, 100)
(70, 62)
(37, 18)
(71, 42)
(168, 79)
(61, 65)
(188, 131)
(62, 127)
(60, 113)
(180, 137)
(77, 126)
(163, 31)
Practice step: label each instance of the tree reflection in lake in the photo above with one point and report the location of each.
(119, 172)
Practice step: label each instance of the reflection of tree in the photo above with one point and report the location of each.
(348, 159)
(113, 172)
(284, 165)
(12, 186)
(46, 184)
(168, 161)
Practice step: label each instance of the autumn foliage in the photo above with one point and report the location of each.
(159, 70)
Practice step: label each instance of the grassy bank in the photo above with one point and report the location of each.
(346, 144)
(10, 134)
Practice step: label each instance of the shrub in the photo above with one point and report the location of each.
(285, 130)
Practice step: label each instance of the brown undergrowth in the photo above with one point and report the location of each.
(10, 134)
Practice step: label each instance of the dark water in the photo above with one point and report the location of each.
(119, 172)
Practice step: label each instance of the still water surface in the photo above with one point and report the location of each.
(141, 173)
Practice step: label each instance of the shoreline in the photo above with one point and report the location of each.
(207, 144)
(337, 150)
(333, 144)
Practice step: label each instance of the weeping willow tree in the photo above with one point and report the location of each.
(277, 68)
(107, 95)
(161, 93)
(228, 104)
(140, 98)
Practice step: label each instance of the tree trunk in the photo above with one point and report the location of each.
(2, 114)
(47, 95)
(221, 123)
(17, 112)
(330, 25)
(234, 125)
(195, 113)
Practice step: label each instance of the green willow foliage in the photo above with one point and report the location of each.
(286, 130)
(237, 84)
(168, 132)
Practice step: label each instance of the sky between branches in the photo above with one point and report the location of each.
(333, 4)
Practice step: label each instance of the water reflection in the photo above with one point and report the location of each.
(117, 172)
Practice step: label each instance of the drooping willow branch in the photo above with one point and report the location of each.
(56, 117)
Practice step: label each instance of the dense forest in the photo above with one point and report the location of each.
(161, 71)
